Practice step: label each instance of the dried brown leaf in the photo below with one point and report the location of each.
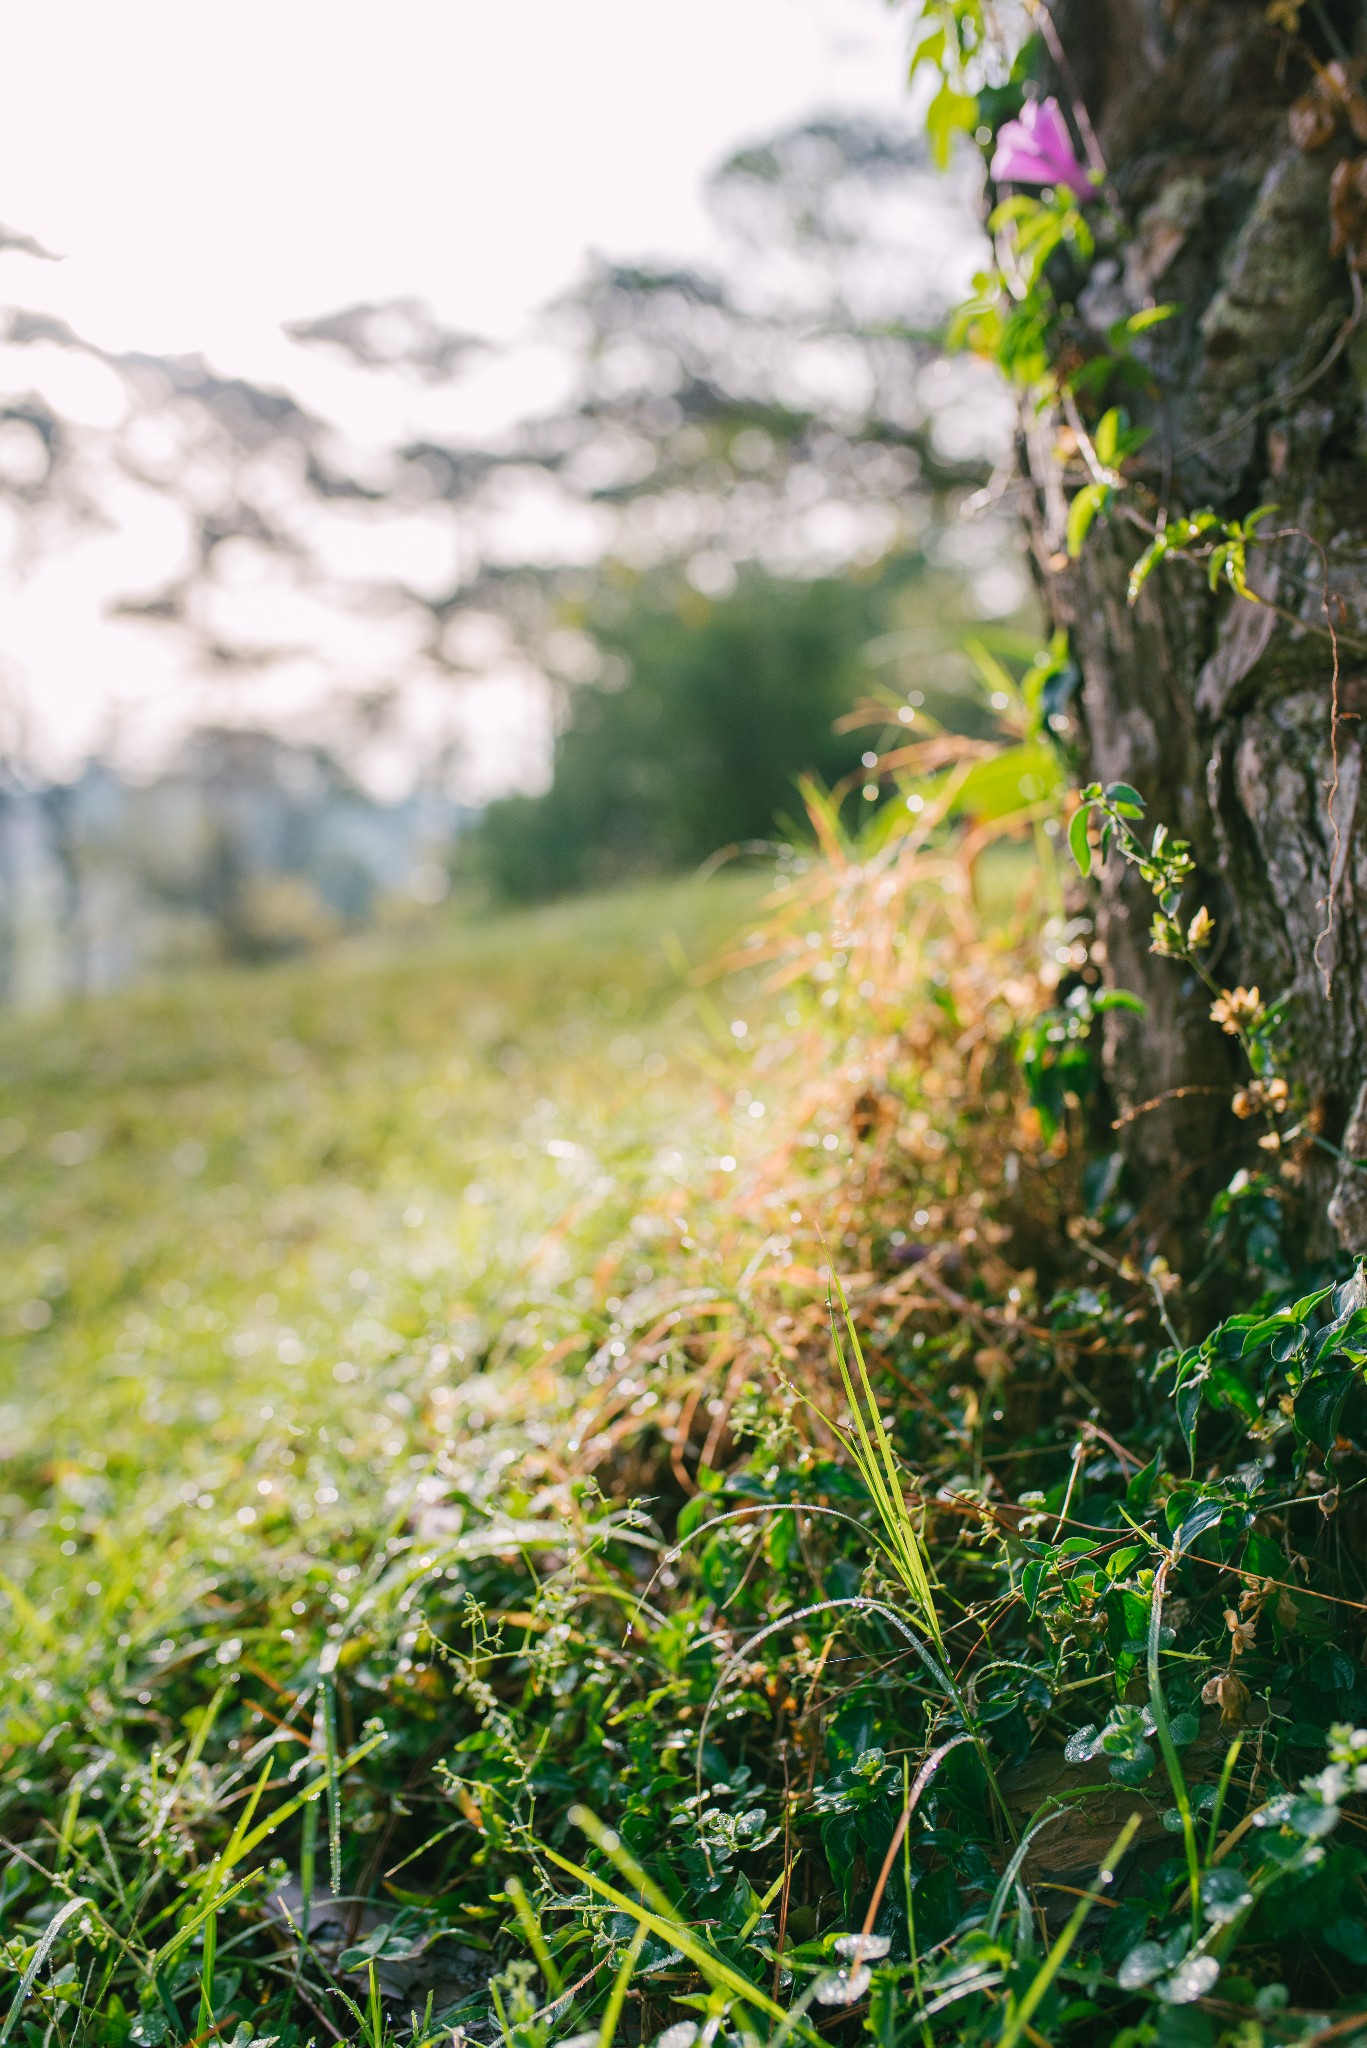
(1348, 211)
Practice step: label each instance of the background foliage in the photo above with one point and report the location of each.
(712, 710)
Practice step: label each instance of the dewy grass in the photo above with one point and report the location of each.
(345, 1159)
(409, 1390)
(872, 1455)
(874, 1459)
(1020, 2012)
(1172, 1763)
(653, 1912)
(41, 1952)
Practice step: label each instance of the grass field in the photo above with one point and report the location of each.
(459, 1583)
(291, 1185)
(291, 1256)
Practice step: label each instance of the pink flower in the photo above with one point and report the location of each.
(1038, 150)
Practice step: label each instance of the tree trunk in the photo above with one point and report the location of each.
(1221, 712)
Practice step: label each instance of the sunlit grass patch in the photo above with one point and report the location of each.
(274, 1186)
(724, 1574)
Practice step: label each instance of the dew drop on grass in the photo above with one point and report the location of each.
(681, 2035)
(842, 1987)
(866, 1948)
(1189, 1981)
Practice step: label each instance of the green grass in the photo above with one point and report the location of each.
(348, 1172)
(451, 1591)
(300, 1264)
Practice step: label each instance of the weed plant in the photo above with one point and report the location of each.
(776, 1565)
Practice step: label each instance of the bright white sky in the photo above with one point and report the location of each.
(212, 168)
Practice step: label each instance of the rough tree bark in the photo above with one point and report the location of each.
(1220, 711)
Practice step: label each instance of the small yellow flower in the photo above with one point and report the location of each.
(1200, 929)
(1259, 1094)
(1236, 1009)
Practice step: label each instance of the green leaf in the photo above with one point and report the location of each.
(36, 1961)
(1188, 1404)
(1090, 500)
(950, 113)
(1139, 323)
(1349, 1937)
(1319, 1405)
(1079, 845)
(1021, 208)
(1218, 568)
(1299, 1310)
(1145, 566)
(690, 1514)
(1120, 1563)
(1224, 1895)
(1000, 784)
(930, 50)
(1125, 797)
(1093, 375)
(781, 1542)
(1140, 1488)
(1202, 1517)
(1268, 1330)
(1142, 1964)
(1229, 1391)
(1289, 1342)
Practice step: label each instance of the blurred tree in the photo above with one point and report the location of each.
(705, 712)
(792, 409)
(792, 420)
(789, 415)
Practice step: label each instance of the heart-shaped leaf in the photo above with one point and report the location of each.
(1189, 1981)
(1224, 1895)
(1203, 1516)
(1319, 1405)
(1081, 1744)
(1290, 1342)
(1141, 1966)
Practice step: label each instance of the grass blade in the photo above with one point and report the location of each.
(1013, 1868)
(535, 1937)
(374, 2014)
(658, 1917)
(328, 1702)
(310, 1792)
(612, 2011)
(1158, 1707)
(879, 1469)
(204, 2024)
(39, 1957)
(308, 1865)
(1019, 2019)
